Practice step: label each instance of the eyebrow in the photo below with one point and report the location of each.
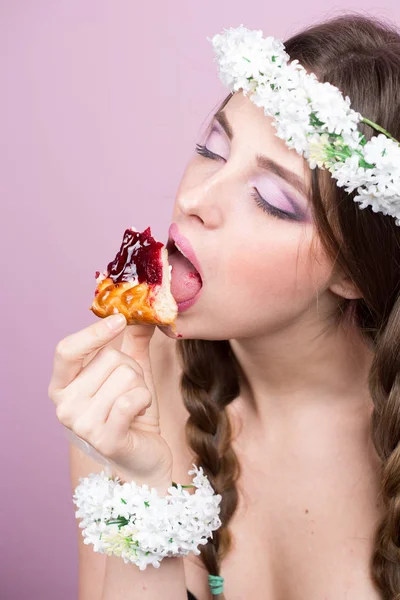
(265, 162)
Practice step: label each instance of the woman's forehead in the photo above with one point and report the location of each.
(248, 124)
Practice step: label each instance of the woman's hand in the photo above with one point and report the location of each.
(111, 402)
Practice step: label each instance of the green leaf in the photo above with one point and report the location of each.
(363, 163)
(146, 503)
(362, 139)
(121, 521)
(124, 501)
(183, 486)
(315, 121)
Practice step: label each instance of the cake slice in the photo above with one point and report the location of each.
(137, 283)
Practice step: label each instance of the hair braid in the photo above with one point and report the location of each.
(385, 391)
(209, 382)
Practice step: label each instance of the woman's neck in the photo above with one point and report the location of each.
(292, 372)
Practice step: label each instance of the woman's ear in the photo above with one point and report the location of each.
(343, 286)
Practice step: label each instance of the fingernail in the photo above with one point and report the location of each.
(115, 321)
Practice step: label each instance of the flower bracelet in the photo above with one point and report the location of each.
(136, 524)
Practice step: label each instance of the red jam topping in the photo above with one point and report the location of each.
(139, 257)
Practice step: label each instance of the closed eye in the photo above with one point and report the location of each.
(204, 151)
(260, 201)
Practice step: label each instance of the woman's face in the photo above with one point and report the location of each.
(250, 228)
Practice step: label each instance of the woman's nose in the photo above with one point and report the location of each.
(207, 199)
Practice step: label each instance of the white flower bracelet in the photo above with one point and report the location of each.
(136, 524)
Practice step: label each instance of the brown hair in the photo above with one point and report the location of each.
(361, 56)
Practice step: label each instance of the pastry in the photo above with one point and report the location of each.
(137, 283)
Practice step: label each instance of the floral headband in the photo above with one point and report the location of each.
(312, 117)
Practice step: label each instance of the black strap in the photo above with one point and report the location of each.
(190, 596)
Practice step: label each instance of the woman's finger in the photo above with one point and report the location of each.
(122, 381)
(92, 377)
(136, 343)
(72, 350)
(124, 411)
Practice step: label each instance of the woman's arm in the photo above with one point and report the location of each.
(103, 577)
(127, 582)
(91, 565)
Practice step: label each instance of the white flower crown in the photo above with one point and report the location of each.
(312, 117)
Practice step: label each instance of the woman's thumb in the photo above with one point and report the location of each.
(136, 340)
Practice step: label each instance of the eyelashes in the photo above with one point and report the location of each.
(260, 201)
(204, 151)
(268, 208)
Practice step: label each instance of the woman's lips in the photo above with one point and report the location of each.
(184, 246)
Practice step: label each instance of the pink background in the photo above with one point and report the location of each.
(101, 104)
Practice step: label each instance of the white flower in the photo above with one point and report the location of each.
(331, 108)
(310, 115)
(96, 501)
(383, 152)
(316, 152)
(134, 523)
(349, 174)
(242, 52)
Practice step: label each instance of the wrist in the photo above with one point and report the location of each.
(161, 485)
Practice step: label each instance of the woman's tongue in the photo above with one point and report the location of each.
(185, 280)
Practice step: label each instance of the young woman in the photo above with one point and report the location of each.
(285, 384)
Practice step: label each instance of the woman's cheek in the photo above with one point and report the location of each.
(266, 278)
(260, 266)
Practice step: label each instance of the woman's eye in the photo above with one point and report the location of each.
(263, 204)
(204, 151)
(272, 210)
